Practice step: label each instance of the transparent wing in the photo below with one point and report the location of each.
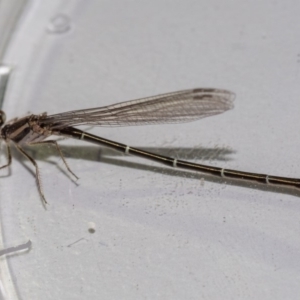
(182, 106)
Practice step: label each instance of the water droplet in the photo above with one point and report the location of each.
(59, 24)
(92, 227)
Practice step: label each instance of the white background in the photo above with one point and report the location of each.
(160, 233)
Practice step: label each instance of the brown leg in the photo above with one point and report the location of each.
(37, 172)
(52, 142)
(8, 157)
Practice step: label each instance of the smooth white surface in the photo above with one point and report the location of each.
(159, 233)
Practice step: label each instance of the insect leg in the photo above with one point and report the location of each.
(52, 142)
(8, 156)
(37, 172)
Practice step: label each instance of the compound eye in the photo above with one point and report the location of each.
(2, 117)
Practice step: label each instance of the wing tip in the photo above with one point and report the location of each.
(226, 95)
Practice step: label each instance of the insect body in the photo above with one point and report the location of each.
(176, 107)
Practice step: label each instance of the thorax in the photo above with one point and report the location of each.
(24, 130)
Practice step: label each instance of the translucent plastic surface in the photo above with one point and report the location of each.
(129, 229)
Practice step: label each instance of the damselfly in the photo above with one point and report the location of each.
(176, 107)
